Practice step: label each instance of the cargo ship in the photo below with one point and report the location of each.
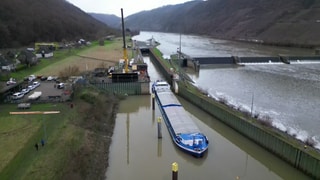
(183, 130)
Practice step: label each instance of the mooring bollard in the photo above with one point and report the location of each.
(174, 171)
(159, 128)
(152, 101)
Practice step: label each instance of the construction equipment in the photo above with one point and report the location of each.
(125, 55)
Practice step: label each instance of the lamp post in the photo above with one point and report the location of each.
(252, 98)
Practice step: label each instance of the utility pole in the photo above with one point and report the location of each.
(252, 103)
(180, 47)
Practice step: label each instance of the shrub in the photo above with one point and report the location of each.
(310, 142)
(88, 97)
(223, 100)
(265, 121)
(69, 71)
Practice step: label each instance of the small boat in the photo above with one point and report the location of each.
(183, 130)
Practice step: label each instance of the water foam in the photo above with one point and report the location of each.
(290, 129)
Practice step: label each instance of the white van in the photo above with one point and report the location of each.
(32, 77)
(17, 95)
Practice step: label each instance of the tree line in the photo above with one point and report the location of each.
(24, 22)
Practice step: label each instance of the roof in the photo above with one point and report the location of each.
(28, 54)
(4, 61)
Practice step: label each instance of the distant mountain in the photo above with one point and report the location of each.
(23, 22)
(108, 19)
(285, 22)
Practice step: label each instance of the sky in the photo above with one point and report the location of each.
(114, 6)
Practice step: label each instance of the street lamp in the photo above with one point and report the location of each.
(252, 103)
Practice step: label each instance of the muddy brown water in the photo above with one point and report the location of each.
(136, 152)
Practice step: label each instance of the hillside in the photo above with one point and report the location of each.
(285, 22)
(108, 19)
(23, 22)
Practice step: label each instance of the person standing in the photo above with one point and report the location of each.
(42, 142)
(36, 146)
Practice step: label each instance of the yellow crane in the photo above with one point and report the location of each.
(125, 55)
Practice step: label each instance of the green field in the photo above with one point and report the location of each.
(19, 133)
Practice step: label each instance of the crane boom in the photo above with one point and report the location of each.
(125, 55)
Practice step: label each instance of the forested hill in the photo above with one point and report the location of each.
(281, 22)
(108, 19)
(23, 22)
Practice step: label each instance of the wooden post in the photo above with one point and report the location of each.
(174, 171)
(159, 128)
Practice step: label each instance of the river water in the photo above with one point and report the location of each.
(136, 153)
(288, 94)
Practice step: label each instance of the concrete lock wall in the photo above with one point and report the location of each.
(279, 143)
(129, 88)
(296, 155)
(159, 65)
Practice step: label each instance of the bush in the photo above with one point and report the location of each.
(265, 121)
(88, 97)
(69, 71)
(310, 142)
(223, 100)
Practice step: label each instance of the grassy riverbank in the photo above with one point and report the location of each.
(77, 139)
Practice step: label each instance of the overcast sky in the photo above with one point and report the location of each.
(114, 6)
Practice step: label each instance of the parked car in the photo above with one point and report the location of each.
(25, 90)
(11, 82)
(17, 95)
(31, 87)
(60, 85)
(43, 78)
(36, 84)
(51, 78)
(32, 77)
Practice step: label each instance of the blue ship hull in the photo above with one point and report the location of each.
(184, 132)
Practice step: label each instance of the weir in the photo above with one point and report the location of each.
(188, 61)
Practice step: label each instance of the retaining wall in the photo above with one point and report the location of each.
(129, 88)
